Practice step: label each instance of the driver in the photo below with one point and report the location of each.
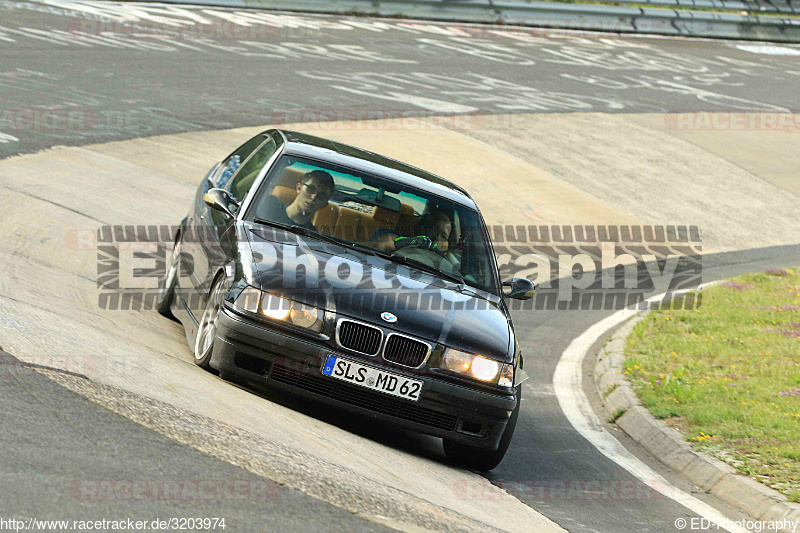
(435, 228)
(313, 192)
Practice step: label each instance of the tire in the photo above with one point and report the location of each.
(475, 458)
(166, 286)
(207, 329)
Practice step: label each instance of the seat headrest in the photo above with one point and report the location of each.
(289, 177)
(285, 194)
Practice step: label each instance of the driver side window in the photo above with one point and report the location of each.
(247, 174)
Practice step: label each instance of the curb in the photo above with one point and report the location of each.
(668, 445)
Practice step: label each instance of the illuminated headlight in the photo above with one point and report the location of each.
(305, 316)
(275, 307)
(485, 369)
(279, 308)
(476, 366)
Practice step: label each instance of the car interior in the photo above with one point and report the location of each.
(360, 207)
(357, 217)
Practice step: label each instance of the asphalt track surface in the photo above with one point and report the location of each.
(124, 74)
(551, 459)
(62, 457)
(121, 92)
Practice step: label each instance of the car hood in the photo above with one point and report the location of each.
(363, 287)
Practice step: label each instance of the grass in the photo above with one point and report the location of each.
(618, 413)
(728, 374)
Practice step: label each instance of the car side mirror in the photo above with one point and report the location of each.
(521, 289)
(221, 200)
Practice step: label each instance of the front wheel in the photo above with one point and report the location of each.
(475, 458)
(207, 329)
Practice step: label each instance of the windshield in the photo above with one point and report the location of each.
(398, 222)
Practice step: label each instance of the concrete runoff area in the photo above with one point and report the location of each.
(100, 465)
(660, 172)
(567, 169)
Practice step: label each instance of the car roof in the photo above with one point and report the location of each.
(301, 144)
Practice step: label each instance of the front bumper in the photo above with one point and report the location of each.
(271, 358)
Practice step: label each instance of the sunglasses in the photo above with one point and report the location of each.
(315, 191)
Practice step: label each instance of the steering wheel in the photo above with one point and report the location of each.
(428, 257)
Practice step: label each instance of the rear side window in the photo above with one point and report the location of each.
(247, 173)
(232, 163)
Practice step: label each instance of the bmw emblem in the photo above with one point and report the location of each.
(388, 317)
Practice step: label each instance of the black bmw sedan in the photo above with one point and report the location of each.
(334, 273)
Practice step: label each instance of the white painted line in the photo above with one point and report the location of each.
(431, 104)
(567, 381)
(770, 50)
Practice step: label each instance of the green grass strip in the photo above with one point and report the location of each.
(727, 374)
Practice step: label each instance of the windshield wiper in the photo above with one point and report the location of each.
(419, 265)
(308, 232)
(302, 230)
(393, 257)
(280, 225)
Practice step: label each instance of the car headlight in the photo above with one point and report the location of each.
(475, 366)
(484, 369)
(275, 307)
(506, 376)
(281, 309)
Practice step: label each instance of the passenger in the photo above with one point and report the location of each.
(434, 228)
(313, 192)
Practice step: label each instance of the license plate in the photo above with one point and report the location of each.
(372, 378)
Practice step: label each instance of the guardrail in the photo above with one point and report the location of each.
(781, 8)
(592, 17)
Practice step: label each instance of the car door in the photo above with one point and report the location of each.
(206, 245)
